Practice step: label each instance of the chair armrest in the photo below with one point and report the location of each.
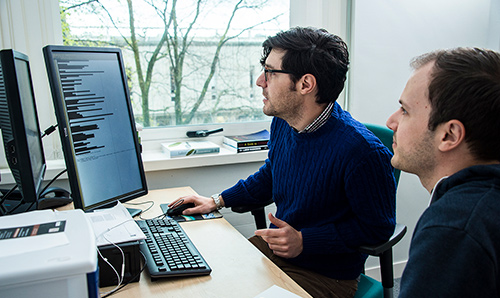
(258, 212)
(252, 207)
(377, 250)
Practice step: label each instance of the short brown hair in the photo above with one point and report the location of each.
(465, 85)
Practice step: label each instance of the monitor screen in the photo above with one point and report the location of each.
(96, 125)
(19, 125)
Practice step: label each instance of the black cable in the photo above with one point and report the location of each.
(5, 197)
(49, 130)
(7, 194)
(50, 182)
(53, 179)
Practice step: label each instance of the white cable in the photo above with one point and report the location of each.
(120, 278)
(116, 272)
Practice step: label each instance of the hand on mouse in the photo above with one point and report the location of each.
(202, 204)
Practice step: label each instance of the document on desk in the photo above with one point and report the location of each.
(276, 292)
(114, 225)
(31, 231)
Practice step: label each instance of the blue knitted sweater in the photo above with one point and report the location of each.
(335, 185)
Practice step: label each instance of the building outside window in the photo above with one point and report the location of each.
(189, 62)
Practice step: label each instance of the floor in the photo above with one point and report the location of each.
(397, 282)
(244, 222)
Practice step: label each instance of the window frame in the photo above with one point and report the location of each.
(30, 26)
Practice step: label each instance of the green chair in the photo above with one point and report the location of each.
(385, 136)
(367, 287)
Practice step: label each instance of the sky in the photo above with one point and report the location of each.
(215, 15)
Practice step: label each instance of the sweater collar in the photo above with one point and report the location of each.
(486, 173)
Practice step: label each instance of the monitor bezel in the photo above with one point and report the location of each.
(17, 150)
(64, 127)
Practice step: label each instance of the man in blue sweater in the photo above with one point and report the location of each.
(330, 177)
(447, 132)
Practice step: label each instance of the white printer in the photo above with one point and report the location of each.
(48, 254)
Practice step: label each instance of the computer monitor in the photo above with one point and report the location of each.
(96, 125)
(20, 131)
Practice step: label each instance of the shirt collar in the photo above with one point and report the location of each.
(320, 120)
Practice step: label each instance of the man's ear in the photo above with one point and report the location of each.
(452, 134)
(307, 84)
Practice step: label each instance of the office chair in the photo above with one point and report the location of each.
(367, 287)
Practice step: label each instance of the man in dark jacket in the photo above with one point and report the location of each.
(447, 132)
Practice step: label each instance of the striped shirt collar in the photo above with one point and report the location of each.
(320, 120)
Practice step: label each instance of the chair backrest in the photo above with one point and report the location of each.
(368, 287)
(385, 135)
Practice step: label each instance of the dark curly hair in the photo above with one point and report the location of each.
(312, 51)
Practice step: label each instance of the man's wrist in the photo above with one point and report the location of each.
(218, 201)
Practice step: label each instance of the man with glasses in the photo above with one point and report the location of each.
(330, 178)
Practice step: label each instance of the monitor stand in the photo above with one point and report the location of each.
(134, 212)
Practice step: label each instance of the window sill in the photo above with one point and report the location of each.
(158, 161)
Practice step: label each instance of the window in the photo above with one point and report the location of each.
(30, 25)
(189, 62)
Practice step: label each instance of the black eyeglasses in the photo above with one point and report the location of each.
(266, 71)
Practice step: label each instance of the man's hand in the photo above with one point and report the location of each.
(203, 205)
(285, 241)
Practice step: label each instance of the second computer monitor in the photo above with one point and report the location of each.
(96, 125)
(20, 128)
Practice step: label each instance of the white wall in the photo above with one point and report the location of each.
(386, 34)
(27, 26)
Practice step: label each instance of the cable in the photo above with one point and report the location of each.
(21, 202)
(110, 265)
(141, 203)
(119, 276)
(120, 279)
(50, 183)
(49, 130)
(7, 194)
(53, 179)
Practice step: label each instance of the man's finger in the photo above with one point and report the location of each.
(276, 221)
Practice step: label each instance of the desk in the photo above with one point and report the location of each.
(238, 268)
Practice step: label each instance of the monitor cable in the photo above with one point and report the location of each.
(49, 130)
(142, 203)
(4, 211)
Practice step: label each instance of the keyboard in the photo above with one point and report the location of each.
(168, 250)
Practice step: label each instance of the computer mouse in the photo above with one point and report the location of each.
(178, 210)
(54, 197)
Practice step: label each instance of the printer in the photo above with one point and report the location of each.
(47, 253)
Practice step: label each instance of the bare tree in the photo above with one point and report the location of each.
(173, 45)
